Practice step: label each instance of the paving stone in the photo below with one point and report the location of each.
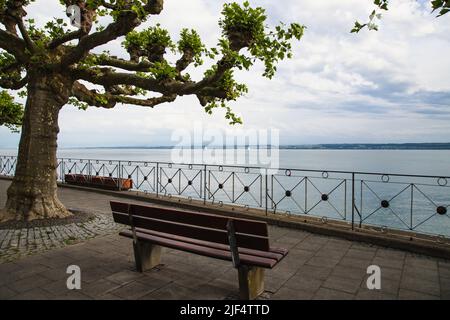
(388, 286)
(391, 274)
(423, 286)
(99, 288)
(330, 253)
(73, 295)
(360, 254)
(405, 294)
(421, 263)
(171, 291)
(291, 294)
(355, 263)
(273, 284)
(6, 293)
(420, 273)
(366, 294)
(342, 284)
(349, 272)
(304, 283)
(388, 262)
(131, 291)
(330, 294)
(33, 294)
(215, 290)
(390, 253)
(322, 261)
(29, 283)
(123, 277)
(315, 272)
(444, 271)
(57, 288)
(445, 284)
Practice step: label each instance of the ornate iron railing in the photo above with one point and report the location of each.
(414, 203)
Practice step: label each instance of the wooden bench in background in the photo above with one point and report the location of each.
(109, 183)
(244, 242)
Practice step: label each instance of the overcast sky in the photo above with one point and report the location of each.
(374, 87)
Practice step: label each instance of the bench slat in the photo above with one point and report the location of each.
(202, 250)
(273, 253)
(258, 228)
(193, 231)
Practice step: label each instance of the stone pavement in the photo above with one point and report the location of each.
(317, 267)
(16, 243)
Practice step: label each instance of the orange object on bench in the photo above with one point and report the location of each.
(109, 183)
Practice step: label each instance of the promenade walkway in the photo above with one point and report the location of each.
(317, 267)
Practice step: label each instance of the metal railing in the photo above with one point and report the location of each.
(414, 203)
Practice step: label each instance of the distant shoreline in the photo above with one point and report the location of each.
(344, 146)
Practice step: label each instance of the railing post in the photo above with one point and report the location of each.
(267, 191)
(157, 179)
(119, 176)
(412, 205)
(89, 170)
(62, 169)
(205, 188)
(353, 201)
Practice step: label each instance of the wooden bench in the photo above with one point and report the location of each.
(109, 183)
(244, 242)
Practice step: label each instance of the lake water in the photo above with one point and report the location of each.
(401, 202)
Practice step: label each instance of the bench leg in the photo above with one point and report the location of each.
(146, 255)
(251, 282)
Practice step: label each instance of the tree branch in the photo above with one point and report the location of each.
(107, 78)
(123, 64)
(126, 22)
(13, 84)
(13, 45)
(90, 97)
(65, 38)
(150, 102)
(108, 100)
(26, 37)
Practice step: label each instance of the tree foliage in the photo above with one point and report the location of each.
(11, 113)
(146, 77)
(439, 6)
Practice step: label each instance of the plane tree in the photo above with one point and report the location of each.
(53, 64)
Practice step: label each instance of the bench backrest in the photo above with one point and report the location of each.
(201, 226)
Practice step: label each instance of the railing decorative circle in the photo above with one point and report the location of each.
(441, 210)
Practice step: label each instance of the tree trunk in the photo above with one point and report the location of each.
(33, 192)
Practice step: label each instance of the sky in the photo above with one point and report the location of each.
(390, 86)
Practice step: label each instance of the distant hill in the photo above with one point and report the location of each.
(336, 146)
(374, 146)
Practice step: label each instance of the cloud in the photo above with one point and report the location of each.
(387, 86)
